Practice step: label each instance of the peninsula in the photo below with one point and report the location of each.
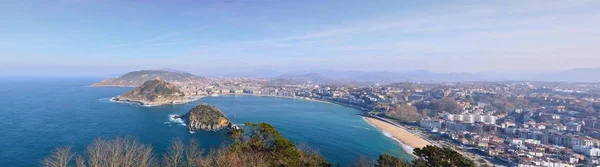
(137, 78)
(154, 92)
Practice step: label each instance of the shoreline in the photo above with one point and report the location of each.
(196, 98)
(290, 97)
(407, 140)
(361, 109)
(407, 149)
(143, 104)
(286, 97)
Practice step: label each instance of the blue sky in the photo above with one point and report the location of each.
(96, 37)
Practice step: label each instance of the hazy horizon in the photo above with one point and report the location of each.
(217, 73)
(100, 38)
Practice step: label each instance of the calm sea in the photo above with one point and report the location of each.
(36, 115)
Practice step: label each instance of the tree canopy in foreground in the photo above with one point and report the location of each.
(257, 145)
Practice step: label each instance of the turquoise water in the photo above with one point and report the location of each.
(36, 115)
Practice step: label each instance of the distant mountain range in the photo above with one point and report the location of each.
(574, 75)
(379, 77)
(136, 78)
(260, 73)
(301, 78)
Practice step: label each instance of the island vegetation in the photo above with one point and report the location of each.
(154, 92)
(206, 117)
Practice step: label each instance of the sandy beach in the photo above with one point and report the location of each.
(398, 133)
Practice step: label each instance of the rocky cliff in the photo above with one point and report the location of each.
(154, 92)
(206, 117)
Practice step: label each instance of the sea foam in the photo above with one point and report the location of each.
(106, 99)
(360, 127)
(408, 149)
(174, 120)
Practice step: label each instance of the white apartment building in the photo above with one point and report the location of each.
(471, 118)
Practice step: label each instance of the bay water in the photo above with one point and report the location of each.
(39, 114)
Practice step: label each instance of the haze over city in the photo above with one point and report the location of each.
(100, 38)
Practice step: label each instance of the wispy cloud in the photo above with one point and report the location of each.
(152, 40)
(442, 34)
(456, 36)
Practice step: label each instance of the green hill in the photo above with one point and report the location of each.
(154, 92)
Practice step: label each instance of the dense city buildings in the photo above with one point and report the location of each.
(510, 123)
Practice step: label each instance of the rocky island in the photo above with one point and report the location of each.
(206, 117)
(154, 92)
